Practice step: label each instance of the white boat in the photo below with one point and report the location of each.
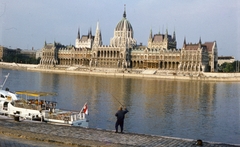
(6, 95)
(35, 106)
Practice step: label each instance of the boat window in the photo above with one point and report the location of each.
(2, 96)
(5, 104)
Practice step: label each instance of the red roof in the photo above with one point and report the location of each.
(191, 46)
(209, 46)
(84, 38)
(158, 38)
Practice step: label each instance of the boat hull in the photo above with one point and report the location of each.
(57, 117)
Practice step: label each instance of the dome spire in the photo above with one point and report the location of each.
(124, 13)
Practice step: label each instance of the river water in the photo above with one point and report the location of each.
(184, 109)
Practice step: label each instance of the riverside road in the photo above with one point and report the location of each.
(27, 134)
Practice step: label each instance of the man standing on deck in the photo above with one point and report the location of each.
(120, 119)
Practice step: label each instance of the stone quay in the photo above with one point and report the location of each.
(61, 135)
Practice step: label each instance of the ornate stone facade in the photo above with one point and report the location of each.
(50, 54)
(124, 52)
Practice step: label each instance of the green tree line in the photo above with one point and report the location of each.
(229, 67)
(21, 58)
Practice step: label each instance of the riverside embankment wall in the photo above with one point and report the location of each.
(206, 76)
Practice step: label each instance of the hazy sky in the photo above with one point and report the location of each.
(29, 23)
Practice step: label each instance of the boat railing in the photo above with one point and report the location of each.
(81, 115)
(35, 104)
(64, 115)
(25, 104)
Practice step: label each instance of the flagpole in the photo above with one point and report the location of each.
(83, 107)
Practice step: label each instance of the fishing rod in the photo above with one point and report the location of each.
(112, 96)
(117, 100)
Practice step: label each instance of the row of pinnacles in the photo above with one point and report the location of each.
(160, 53)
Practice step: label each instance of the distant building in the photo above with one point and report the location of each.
(29, 53)
(1, 53)
(225, 59)
(4, 51)
(12, 53)
(124, 52)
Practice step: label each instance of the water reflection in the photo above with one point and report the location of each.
(186, 109)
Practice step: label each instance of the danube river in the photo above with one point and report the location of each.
(184, 109)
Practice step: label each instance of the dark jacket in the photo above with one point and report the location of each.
(121, 114)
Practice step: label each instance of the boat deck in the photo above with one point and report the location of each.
(76, 136)
(34, 104)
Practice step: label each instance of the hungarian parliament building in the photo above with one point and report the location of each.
(160, 53)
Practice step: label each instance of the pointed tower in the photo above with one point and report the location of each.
(98, 37)
(174, 36)
(101, 36)
(150, 36)
(200, 43)
(184, 42)
(90, 33)
(166, 35)
(150, 39)
(78, 36)
(78, 39)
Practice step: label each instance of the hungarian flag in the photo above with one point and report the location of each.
(85, 109)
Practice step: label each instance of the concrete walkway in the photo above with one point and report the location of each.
(75, 136)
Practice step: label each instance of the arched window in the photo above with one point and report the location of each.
(121, 55)
(98, 55)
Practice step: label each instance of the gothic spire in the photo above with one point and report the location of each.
(90, 33)
(150, 36)
(78, 36)
(184, 42)
(166, 34)
(174, 36)
(97, 26)
(98, 37)
(124, 13)
(98, 29)
(200, 41)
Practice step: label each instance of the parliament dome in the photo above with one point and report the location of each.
(123, 33)
(124, 23)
